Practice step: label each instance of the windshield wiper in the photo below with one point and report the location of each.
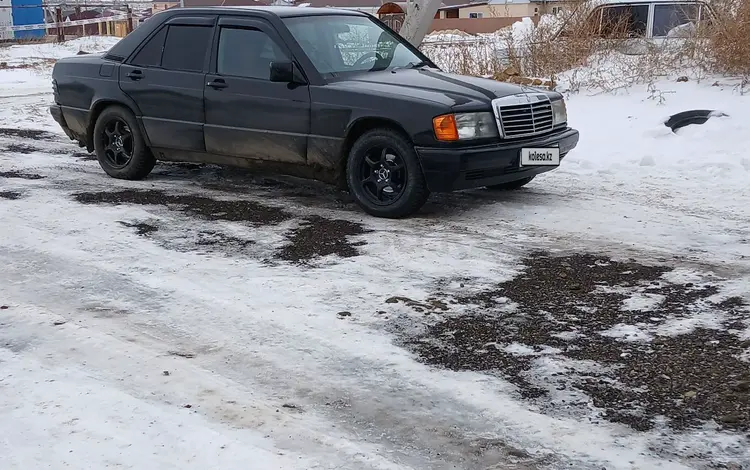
(412, 65)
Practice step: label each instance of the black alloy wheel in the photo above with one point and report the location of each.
(117, 142)
(383, 176)
(121, 146)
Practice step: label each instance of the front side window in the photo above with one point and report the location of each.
(338, 44)
(186, 47)
(247, 53)
(626, 21)
(673, 19)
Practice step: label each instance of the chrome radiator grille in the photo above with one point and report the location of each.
(523, 115)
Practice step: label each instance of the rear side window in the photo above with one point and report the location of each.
(150, 54)
(186, 47)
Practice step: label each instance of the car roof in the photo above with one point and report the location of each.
(280, 11)
(125, 47)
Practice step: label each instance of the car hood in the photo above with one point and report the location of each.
(455, 91)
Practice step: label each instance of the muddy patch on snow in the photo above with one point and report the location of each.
(636, 341)
(141, 228)
(20, 175)
(318, 237)
(12, 195)
(32, 134)
(182, 354)
(211, 238)
(21, 148)
(205, 207)
(14, 345)
(107, 311)
(84, 156)
(315, 236)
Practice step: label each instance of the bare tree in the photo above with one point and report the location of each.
(419, 16)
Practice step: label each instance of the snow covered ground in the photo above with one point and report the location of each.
(201, 325)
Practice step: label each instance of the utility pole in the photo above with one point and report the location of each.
(419, 16)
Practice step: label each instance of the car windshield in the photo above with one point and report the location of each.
(337, 44)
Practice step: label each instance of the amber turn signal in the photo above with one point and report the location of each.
(445, 127)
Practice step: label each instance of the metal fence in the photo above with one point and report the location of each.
(44, 21)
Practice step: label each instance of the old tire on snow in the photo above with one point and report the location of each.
(511, 185)
(120, 146)
(384, 175)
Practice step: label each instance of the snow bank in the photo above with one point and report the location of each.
(638, 141)
(483, 54)
(47, 52)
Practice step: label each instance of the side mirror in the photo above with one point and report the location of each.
(285, 72)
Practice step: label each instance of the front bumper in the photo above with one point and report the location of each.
(57, 114)
(450, 169)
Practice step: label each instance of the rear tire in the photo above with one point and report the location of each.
(510, 186)
(384, 175)
(120, 146)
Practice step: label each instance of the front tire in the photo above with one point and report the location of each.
(384, 175)
(120, 146)
(510, 186)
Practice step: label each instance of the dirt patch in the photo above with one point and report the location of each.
(618, 333)
(318, 236)
(84, 156)
(427, 306)
(21, 148)
(6, 66)
(209, 238)
(185, 165)
(211, 209)
(10, 195)
(33, 134)
(184, 354)
(141, 228)
(14, 345)
(21, 175)
(315, 237)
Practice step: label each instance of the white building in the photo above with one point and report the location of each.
(6, 19)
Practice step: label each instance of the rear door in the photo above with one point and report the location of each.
(247, 115)
(166, 78)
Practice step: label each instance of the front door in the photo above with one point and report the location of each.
(247, 115)
(166, 79)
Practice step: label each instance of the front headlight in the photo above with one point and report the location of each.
(464, 126)
(559, 112)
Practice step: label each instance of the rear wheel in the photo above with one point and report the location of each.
(120, 146)
(511, 185)
(384, 175)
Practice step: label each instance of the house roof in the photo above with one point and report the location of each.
(509, 2)
(464, 5)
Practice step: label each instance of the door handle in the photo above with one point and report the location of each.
(135, 75)
(217, 84)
